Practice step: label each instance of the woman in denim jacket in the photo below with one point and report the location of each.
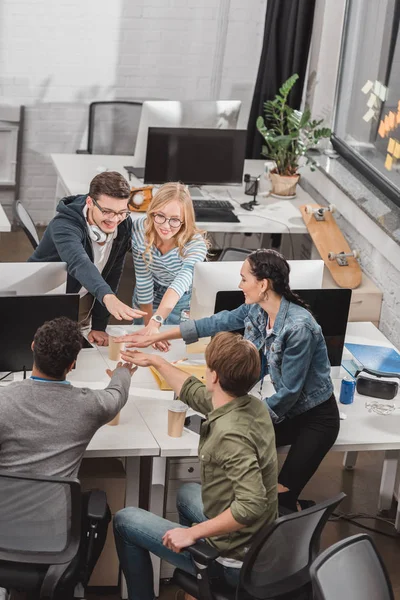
(293, 350)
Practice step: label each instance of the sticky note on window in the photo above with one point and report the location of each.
(368, 115)
(391, 146)
(392, 120)
(398, 117)
(396, 151)
(382, 93)
(372, 101)
(367, 87)
(382, 129)
(389, 162)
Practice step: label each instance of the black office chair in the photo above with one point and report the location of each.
(276, 565)
(113, 127)
(40, 533)
(351, 568)
(234, 254)
(24, 219)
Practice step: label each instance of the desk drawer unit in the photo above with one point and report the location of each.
(179, 471)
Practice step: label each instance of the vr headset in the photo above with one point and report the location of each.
(377, 384)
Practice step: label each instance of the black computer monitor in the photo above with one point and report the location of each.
(330, 308)
(20, 318)
(195, 156)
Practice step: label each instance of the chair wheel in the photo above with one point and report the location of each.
(332, 208)
(308, 209)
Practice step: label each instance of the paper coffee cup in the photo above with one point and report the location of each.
(114, 349)
(115, 420)
(176, 418)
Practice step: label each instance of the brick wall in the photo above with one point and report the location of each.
(57, 57)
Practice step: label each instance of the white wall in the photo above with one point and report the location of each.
(57, 57)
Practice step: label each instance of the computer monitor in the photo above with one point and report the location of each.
(21, 317)
(212, 277)
(33, 278)
(195, 156)
(330, 308)
(214, 114)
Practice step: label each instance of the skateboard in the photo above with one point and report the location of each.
(341, 261)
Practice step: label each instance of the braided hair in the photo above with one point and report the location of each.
(270, 264)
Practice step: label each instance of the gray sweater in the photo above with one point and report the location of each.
(45, 427)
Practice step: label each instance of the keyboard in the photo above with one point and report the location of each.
(212, 204)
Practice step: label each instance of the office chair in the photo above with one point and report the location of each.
(233, 254)
(24, 219)
(113, 127)
(40, 534)
(351, 568)
(276, 565)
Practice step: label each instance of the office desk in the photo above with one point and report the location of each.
(75, 171)
(5, 224)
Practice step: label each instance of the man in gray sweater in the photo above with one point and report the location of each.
(46, 423)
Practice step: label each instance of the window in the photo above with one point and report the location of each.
(367, 121)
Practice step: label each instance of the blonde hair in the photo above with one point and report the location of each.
(165, 194)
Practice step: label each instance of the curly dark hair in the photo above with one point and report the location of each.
(57, 344)
(270, 264)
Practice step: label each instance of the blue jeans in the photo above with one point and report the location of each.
(174, 318)
(138, 532)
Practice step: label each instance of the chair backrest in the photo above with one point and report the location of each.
(113, 127)
(40, 524)
(280, 555)
(24, 219)
(233, 254)
(351, 568)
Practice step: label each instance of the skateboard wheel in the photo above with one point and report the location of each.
(356, 253)
(332, 208)
(331, 256)
(308, 209)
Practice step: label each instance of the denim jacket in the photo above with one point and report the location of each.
(294, 354)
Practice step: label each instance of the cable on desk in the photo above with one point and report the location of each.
(273, 221)
(6, 375)
(261, 216)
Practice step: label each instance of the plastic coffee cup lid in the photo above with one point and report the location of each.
(178, 406)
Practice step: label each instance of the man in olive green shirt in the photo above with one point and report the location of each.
(238, 492)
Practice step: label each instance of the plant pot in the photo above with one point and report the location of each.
(283, 185)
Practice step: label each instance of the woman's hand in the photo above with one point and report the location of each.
(137, 340)
(140, 359)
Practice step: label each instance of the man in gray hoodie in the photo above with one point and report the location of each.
(91, 233)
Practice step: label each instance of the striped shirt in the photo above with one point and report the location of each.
(170, 270)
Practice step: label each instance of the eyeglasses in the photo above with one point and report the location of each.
(107, 212)
(173, 222)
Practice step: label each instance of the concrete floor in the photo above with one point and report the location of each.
(361, 485)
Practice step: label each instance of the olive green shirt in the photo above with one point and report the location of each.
(238, 464)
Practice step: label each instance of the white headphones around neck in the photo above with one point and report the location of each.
(97, 235)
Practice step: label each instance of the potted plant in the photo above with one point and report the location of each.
(288, 135)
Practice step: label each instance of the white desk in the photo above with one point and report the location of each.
(5, 224)
(75, 171)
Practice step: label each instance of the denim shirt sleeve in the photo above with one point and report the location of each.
(227, 320)
(296, 360)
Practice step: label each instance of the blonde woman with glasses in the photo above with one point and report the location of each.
(166, 245)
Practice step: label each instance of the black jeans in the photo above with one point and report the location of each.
(310, 436)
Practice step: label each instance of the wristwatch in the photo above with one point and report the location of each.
(158, 319)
